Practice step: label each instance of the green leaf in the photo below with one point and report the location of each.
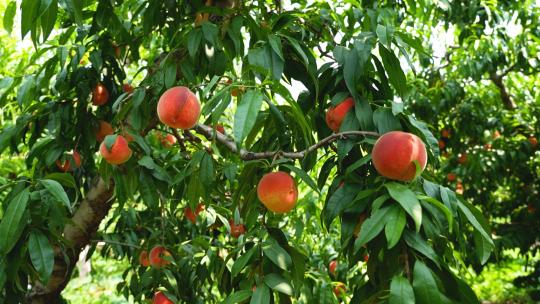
(148, 189)
(474, 221)
(9, 15)
(29, 12)
(415, 241)
(241, 262)
(441, 207)
(401, 291)
(385, 34)
(65, 179)
(11, 225)
(372, 227)
(138, 96)
(75, 8)
(394, 225)
(277, 255)
(425, 287)
(206, 170)
(56, 190)
(246, 115)
(338, 202)
(278, 283)
(194, 41)
(261, 295)
(386, 121)
(425, 134)
(393, 69)
(41, 255)
(48, 18)
(406, 198)
(482, 247)
(169, 73)
(304, 176)
(275, 43)
(238, 297)
(351, 70)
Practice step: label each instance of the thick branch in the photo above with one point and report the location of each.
(497, 80)
(209, 133)
(77, 234)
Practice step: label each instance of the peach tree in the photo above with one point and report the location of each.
(230, 150)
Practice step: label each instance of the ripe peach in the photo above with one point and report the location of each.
(533, 141)
(496, 134)
(332, 267)
(66, 165)
(487, 147)
(192, 216)
(158, 257)
(100, 95)
(127, 88)
(445, 133)
(168, 141)
(119, 152)
(366, 258)
(179, 108)
(143, 258)
(462, 158)
(237, 229)
(395, 153)
(340, 289)
(336, 114)
(442, 144)
(220, 129)
(277, 191)
(161, 298)
(451, 177)
(105, 129)
(459, 188)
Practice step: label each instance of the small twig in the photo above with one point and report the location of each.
(209, 133)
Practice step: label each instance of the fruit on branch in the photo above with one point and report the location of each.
(159, 256)
(115, 149)
(451, 177)
(220, 129)
(100, 95)
(277, 191)
(117, 51)
(66, 165)
(340, 289)
(487, 147)
(396, 155)
(127, 88)
(445, 133)
(105, 129)
(143, 258)
(236, 229)
(533, 141)
(192, 216)
(179, 108)
(459, 188)
(442, 144)
(366, 258)
(332, 267)
(496, 134)
(462, 159)
(336, 114)
(168, 141)
(161, 298)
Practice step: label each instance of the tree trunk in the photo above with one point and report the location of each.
(77, 235)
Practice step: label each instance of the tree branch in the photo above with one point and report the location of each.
(211, 134)
(77, 233)
(497, 80)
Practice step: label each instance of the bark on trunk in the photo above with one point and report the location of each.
(507, 101)
(77, 234)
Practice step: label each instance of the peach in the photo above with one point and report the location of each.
(332, 267)
(179, 108)
(66, 165)
(459, 188)
(100, 95)
(336, 114)
(220, 129)
(445, 133)
(395, 153)
(340, 289)
(496, 134)
(487, 147)
(158, 257)
(168, 141)
(105, 129)
(462, 158)
(161, 298)
(531, 208)
(143, 258)
(451, 177)
(118, 153)
(277, 191)
(533, 141)
(192, 216)
(442, 144)
(237, 229)
(127, 88)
